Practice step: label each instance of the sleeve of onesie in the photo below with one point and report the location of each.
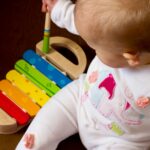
(63, 15)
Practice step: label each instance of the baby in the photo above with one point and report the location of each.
(109, 106)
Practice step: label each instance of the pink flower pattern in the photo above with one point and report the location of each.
(93, 77)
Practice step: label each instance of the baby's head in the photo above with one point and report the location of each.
(118, 30)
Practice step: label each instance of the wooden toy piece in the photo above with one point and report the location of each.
(46, 68)
(13, 110)
(7, 124)
(36, 77)
(19, 98)
(62, 62)
(35, 93)
(45, 47)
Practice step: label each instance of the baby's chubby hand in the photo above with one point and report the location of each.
(47, 5)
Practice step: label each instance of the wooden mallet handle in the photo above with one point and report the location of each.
(45, 48)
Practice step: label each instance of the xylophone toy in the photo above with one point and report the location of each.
(35, 78)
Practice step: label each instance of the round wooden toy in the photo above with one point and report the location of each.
(71, 69)
(7, 124)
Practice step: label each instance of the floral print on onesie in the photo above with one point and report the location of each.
(112, 99)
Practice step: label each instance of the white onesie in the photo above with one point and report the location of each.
(103, 106)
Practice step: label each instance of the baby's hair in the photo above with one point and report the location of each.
(126, 22)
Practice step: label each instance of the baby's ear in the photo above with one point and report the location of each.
(133, 59)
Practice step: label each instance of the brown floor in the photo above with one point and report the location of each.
(21, 28)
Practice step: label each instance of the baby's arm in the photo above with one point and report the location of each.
(62, 13)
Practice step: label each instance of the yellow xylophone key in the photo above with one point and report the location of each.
(27, 87)
(19, 98)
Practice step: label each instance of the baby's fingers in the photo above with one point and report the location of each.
(44, 8)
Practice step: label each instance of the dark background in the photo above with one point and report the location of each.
(21, 27)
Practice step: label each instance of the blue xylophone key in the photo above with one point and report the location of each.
(46, 68)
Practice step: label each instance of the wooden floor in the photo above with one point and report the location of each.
(21, 28)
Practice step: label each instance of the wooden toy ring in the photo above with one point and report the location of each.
(7, 123)
(64, 64)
